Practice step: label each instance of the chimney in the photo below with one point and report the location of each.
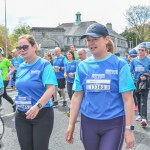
(109, 26)
(78, 18)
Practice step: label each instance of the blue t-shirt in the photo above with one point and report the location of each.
(70, 67)
(59, 62)
(103, 81)
(31, 81)
(1, 81)
(139, 66)
(17, 61)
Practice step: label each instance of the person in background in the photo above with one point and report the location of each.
(126, 56)
(5, 64)
(69, 74)
(82, 54)
(138, 66)
(48, 56)
(142, 91)
(1, 85)
(73, 49)
(35, 82)
(16, 61)
(59, 61)
(106, 105)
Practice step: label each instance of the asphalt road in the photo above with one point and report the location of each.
(57, 141)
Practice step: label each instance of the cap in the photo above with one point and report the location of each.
(14, 50)
(96, 30)
(1, 50)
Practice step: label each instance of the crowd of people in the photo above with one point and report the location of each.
(104, 88)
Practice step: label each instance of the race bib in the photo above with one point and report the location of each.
(97, 85)
(71, 75)
(56, 69)
(23, 103)
(139, 68)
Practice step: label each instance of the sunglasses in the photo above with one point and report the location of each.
(141, 50)
(24, 47)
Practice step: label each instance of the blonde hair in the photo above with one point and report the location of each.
(110, 46)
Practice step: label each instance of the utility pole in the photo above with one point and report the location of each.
(6, 36)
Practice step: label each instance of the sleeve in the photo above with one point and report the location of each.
(8, 62)
(77, 86)
(125, 79)
(49, 76)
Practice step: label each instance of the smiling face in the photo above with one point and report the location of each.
(97, 46)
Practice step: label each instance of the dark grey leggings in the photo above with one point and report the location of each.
(5, 95)
(34, 134)
(102, 134)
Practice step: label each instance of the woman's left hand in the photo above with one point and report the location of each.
(129, 139)
(32, 112)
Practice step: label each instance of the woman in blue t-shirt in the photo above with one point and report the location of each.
(35, 82)
(69, 73)
(103, 92)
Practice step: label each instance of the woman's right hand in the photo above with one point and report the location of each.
(69, 134)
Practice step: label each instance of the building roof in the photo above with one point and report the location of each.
(72, 29)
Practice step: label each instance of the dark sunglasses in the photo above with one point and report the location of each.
(141, 50)
(24, 47)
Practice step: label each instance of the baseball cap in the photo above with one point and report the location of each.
(1, 50)
(14, 50)
(96, 30)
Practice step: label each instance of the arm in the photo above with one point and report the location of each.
(129, 113)
(34, 110)
(74, 110)
(12, 69)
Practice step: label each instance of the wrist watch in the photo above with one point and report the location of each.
(130, 127)
(39, 105)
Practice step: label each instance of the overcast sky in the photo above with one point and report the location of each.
(50, 13)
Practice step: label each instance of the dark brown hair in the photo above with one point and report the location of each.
(71, 54)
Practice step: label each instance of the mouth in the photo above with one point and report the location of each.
(93, 47)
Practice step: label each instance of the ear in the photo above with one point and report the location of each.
(107, 38)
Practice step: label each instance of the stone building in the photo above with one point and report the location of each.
(69, 33)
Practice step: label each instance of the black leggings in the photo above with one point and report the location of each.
(34, 134)
(5, 95)
(69, 89)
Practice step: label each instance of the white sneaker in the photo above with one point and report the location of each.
(138, 118)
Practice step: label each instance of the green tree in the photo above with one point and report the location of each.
(132, 38)
(21, 29)
(138, 18)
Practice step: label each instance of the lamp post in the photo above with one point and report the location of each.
(6, 43)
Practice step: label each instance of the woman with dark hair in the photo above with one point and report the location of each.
(70, 69)
(69, 73)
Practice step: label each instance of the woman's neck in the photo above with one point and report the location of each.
(101, 55)
(31, 60)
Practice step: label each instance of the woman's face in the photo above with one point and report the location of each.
(25, 49)
(97, 45)
(69, 56)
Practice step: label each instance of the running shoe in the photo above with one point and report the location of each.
(55, 103)
(64, 103)
(144, 123)
(138, 118)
